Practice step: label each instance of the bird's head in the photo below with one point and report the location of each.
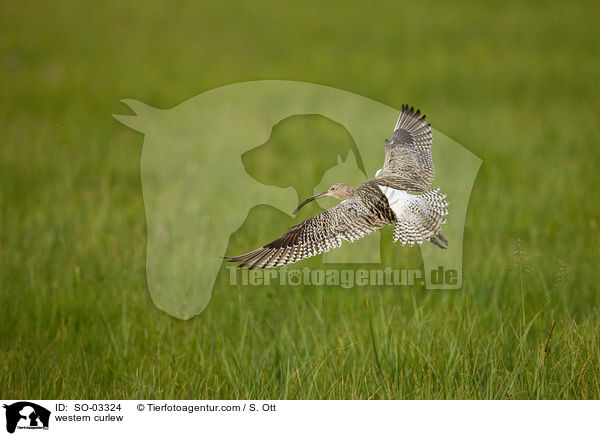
(341, 191)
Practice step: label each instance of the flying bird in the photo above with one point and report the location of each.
(397, 196)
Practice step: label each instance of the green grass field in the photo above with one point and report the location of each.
(515, 83)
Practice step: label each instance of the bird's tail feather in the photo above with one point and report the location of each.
(422, 219)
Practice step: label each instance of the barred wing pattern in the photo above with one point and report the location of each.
(408, 153)
(350, 220)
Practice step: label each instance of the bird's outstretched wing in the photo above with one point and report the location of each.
(349, 221)
(408, 164)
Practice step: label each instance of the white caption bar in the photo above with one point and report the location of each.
(267, 417)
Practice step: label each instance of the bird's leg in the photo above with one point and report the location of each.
(435, 242)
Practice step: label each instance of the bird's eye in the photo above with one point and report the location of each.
(332, 188)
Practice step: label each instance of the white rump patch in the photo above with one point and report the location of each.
(398, 200)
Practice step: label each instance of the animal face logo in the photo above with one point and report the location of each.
(26, 415)
(197, 192)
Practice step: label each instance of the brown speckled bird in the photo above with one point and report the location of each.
(397, 196)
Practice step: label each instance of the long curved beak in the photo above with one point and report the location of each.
(308, 200)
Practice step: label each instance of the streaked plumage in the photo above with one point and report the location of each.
(397, 196)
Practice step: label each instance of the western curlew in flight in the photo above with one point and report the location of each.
(397, 196)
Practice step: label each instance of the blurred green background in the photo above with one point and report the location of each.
(515, 83)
